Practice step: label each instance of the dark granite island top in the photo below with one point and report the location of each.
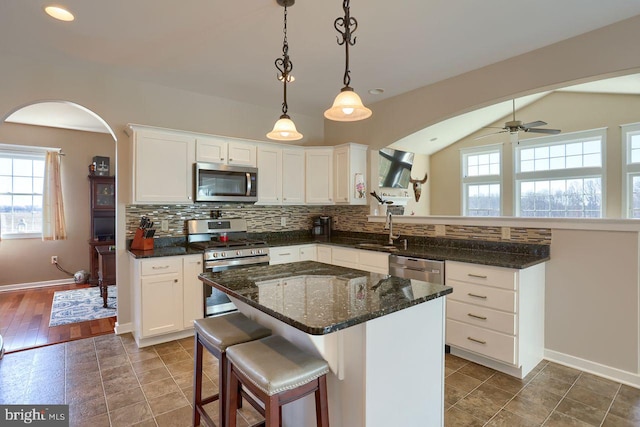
(319, 298)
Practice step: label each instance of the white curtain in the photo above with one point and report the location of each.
(53, 224)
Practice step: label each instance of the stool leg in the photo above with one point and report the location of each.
(232, 401)
(322, 406)
(223, 389)
(272, 411)
(197, 381)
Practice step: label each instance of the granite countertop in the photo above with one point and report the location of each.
(319, 298)
(499, 254)
(509, 255)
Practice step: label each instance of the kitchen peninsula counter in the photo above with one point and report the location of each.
(382, 336)
(347, 296)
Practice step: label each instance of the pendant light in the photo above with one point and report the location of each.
(284, 129)
(347, 107)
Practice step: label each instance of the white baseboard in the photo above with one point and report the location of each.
(123, 328)
(618, 375)
(32, 285)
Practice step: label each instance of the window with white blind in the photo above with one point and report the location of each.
(21, 185)
(481, 181)
(631, 170)
(561, 176)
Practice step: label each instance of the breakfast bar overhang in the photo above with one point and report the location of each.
(382, 336)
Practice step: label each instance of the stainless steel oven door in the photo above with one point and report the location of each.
(217, 302)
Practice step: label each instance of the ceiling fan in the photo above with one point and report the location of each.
(514, 126)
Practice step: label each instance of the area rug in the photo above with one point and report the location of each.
(80, 305)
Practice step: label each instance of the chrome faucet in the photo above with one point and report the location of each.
(389, 225)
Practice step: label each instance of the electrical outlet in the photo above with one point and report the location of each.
(506, 233)
(54, 259)
(440, 230)
(283, 221)
(164, 225)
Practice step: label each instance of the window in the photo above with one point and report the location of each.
(21, 185)
(631, 170)
(481, 181)
(560, 176)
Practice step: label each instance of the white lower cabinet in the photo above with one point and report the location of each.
(166, 297)
(495, 315)
(360, 259)
(193, 294)
(323, 254)
(293, 253)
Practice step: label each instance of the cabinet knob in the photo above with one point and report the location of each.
(221, 159)
(175, 280)
(198, 262)
(231, 160)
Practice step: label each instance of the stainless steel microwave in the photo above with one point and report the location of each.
(222, 183)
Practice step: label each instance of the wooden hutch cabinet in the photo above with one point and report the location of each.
(103, 217)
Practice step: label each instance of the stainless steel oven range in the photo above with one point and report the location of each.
(224, 245)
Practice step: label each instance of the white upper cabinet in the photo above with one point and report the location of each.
(350, 172)
(292, 176)
(280, 175)
(269, 175)
(211, 149)
(319, 176)
(162, 166)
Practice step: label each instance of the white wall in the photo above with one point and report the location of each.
(592, 300)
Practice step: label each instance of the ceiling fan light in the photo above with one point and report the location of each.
(347, 107)
(284, 130)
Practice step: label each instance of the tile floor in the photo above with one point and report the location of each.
(551, 395)
(109, 381)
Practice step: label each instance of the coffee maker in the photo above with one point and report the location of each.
(321, 229)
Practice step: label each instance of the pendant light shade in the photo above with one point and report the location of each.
(284, 129)
(347, 107)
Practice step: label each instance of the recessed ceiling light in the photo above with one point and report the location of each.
(376, 91)
(59, 13)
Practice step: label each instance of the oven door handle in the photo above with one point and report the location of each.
(252, 260)
(248, 184)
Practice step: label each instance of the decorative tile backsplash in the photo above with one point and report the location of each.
(262, 219)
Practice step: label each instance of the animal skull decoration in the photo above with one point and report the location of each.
(417, 186)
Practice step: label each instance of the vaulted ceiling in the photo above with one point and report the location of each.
(227, 48)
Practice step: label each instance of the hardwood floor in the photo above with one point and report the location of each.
(24, 320)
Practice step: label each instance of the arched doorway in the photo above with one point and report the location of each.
(81, 134)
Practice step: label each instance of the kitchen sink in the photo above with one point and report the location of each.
(377, 246)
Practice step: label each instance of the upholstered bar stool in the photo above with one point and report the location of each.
(276, 372)
(216, 334)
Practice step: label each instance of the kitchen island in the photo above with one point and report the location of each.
(382, 336)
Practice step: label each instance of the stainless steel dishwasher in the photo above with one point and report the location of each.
(417, 268)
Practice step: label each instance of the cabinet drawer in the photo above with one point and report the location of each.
(284, 255)
(483, 296)
(483, 317)
(483, 341)
(164, 265)
(482, 274)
